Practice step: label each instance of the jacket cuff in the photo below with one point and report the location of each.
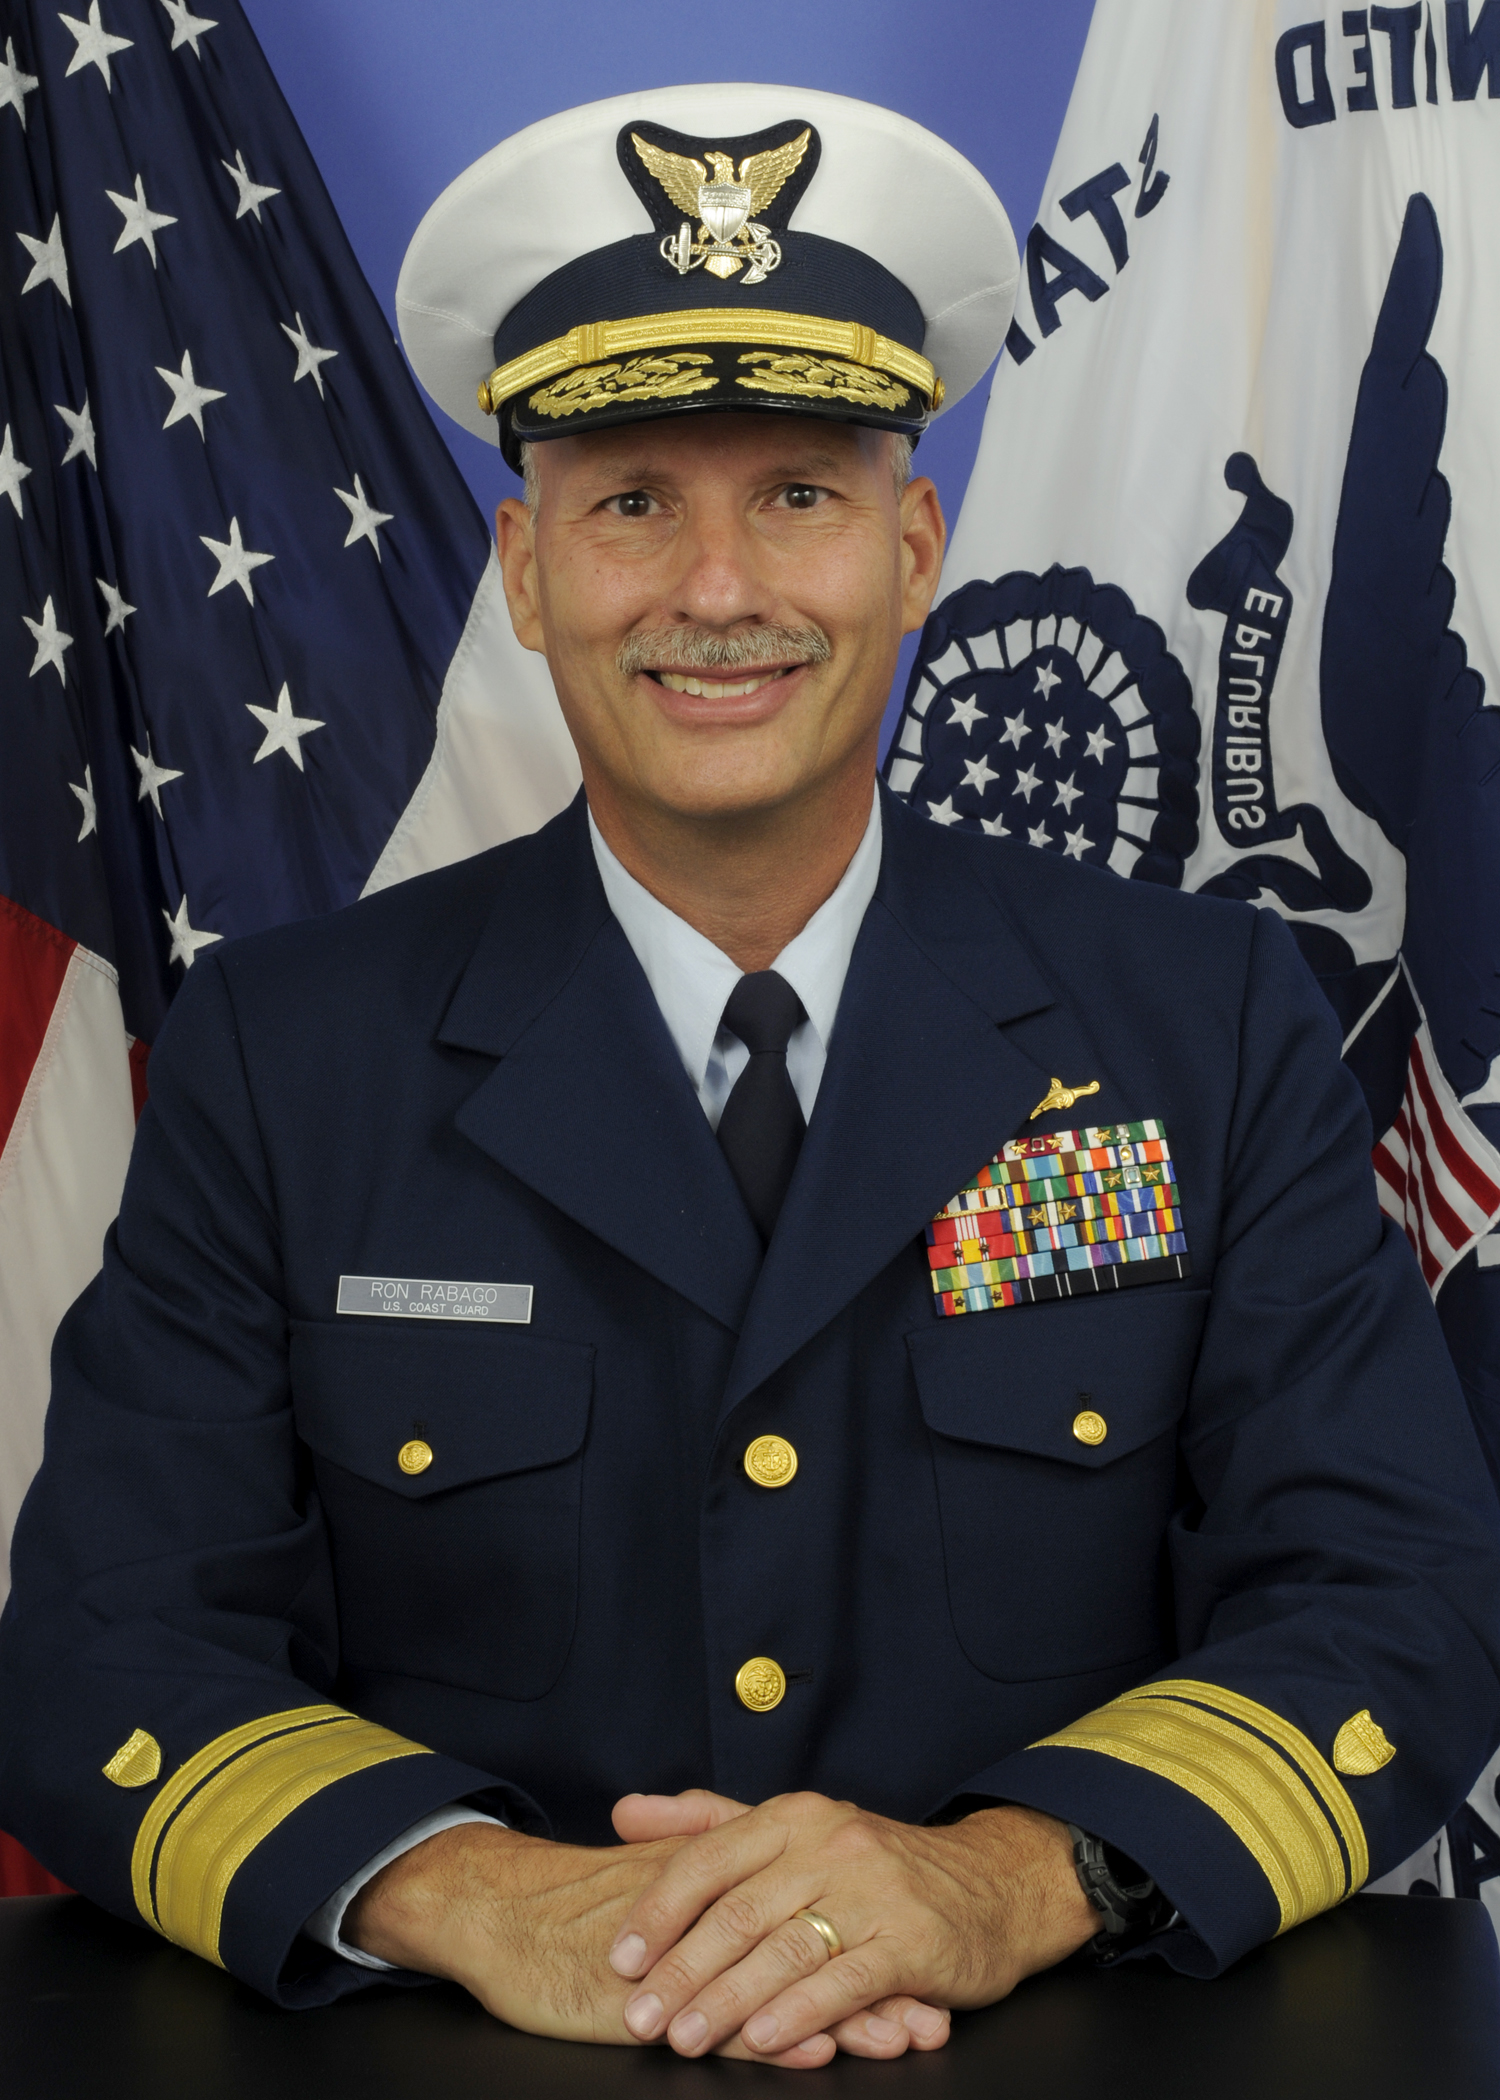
(245, 1840)
(1233, 1812)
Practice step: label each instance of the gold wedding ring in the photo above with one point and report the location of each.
(827, 1933)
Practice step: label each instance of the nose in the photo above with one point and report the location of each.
(718, 580)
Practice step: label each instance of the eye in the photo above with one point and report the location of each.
(801, 495)
(634, 503)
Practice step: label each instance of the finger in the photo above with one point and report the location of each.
(811, 2055)
(718, 2011)
(754, 1919)
(640, 1817)
(704, 1870)
(921, 2026)
(817, 2004)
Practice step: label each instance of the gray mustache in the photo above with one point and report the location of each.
(700, 649)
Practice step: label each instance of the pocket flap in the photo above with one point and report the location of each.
(1021, 1379)
(484, 1402)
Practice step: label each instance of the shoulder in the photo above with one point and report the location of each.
(1072, 915)
(391, 958)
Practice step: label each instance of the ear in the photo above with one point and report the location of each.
(923, 538)
(515, 542)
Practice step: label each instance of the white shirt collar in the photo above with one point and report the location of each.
(692, 979)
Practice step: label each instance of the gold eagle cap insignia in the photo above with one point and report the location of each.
(723, 201)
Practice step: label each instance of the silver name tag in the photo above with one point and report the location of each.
(425, 1298)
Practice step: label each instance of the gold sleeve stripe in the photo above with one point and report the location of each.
(229, 1797)
(1293, 1744)
(1203, 1743)
(585, 345)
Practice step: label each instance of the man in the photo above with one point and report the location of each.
(523, 1404)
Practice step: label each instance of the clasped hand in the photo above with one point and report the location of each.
(930, 1919)
(687, 1934)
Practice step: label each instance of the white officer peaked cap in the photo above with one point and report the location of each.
(691, 248)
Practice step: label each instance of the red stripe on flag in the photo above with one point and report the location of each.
(34, 960)
(1441, 1212)
(1470, 1177)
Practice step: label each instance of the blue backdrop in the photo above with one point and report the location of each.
(396, 99)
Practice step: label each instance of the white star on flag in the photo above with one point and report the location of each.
(1098, 744)
(943, 812)
(13, 471)
(1027, 784)
(1057, 736)
(309, 358)
(141, 222)
(977, 773)
(15, 85)
(966, 713)
(188, 397)
(1067, 795)
(95, 44)
(995, 826)
(186, 938)
(1016, 726)
(114, 601)
(1039, 835)
(50, 643)
(81, 424)
(235, 561)
(186, 28)
(85, 796)
(153, 777)
(364, 519)
(284, 730)
(1046, 678)
(48, 261)
(1077, 844)
(252, 195)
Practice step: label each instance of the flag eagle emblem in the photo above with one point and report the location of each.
(721, 204)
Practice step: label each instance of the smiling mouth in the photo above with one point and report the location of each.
(720, 689)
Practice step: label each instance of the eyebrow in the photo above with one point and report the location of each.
(639, 473)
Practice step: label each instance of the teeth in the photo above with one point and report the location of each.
(714, 689)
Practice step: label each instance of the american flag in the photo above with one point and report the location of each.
(253, 653)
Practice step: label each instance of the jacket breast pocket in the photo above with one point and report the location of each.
(1053, 1431)
(449, 1464)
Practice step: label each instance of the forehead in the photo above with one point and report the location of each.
(722, 447)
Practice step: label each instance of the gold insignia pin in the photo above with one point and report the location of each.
(1060, 1096)
(1361, 1746)
(722, 203)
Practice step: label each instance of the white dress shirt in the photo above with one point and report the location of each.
(691, 981)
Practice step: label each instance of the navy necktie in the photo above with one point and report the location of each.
(762, 1126)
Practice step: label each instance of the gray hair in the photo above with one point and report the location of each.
(901, 451)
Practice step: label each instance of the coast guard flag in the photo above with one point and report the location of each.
(254, 657)
(1221, 610)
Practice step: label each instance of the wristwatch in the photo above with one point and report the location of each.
(1132, 1906)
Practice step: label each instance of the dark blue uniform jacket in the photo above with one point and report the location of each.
(285, 1649)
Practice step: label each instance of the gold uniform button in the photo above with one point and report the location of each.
(770, 1461)
(760, 1684)
(414, 1457)
(1090, 1428)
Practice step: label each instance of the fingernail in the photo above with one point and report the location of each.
(925, 2020)
(643, 2016)
(628, 1954)
(762, 2030)
(688, 2030)
(881, 2030)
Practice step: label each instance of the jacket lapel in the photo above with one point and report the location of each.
(928, 1074)
(588, 1103)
